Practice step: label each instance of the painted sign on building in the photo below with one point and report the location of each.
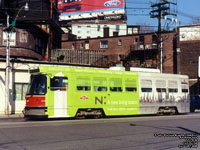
(81, 9)
(189, 33)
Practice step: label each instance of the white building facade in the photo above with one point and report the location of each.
(98, 29)
(18, 84)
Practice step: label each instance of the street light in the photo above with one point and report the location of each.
(9, 30)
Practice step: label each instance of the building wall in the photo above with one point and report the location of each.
(19, 75)
(131, 48)
(168, 53)
(84, 31)
(25, 43)
(188, 52)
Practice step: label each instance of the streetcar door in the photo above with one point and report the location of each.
(59, 86)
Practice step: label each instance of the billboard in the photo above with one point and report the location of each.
(189, 33)
(83, 9)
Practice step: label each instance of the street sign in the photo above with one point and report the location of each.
(13, 23)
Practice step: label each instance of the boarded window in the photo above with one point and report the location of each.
(130, 85)
(116, 85)
(100, 84)
(83, 84)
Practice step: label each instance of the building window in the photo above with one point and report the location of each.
(141, 39)
(23, 37)
(73, 46)
(79, 37)
(20, 90)
(79, 26)
(87, 45)
(81, 45)
(12, 38)
(136, 40)
(154, 39)
(98, 28)
(88, 27)
(119, 42)
(117, 28)
(104, 44)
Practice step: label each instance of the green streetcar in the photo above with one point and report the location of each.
(67, 91)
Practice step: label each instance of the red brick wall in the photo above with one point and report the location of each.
(114, 50)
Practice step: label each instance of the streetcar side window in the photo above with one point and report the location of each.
(172, 86)
(161, 86)
(184, 87)
(185, 90)
(173, 90)
(130, 85)
(115, 85)
(146, 90)
(83, 84)
(59, 83)
(161, 90)
(100, 84)
(146, 85)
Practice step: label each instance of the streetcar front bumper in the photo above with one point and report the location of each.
(35, 112)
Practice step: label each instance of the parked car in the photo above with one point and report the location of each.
(194, 102)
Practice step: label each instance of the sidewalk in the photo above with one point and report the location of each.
(17, 115)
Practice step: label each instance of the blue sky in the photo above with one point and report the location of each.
(138, 12)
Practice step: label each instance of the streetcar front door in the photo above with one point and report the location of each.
(59, 87)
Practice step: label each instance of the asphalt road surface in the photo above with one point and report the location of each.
(132, 133)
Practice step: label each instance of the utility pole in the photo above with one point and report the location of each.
(9, 31)
(161, 10)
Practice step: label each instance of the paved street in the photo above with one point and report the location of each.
(133, 133)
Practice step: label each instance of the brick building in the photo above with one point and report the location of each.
(188, 52)
(35, 33)
(136, 50)
(180, 51)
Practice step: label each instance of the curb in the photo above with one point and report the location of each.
(20, 115)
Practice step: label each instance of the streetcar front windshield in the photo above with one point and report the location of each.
(38, 85)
